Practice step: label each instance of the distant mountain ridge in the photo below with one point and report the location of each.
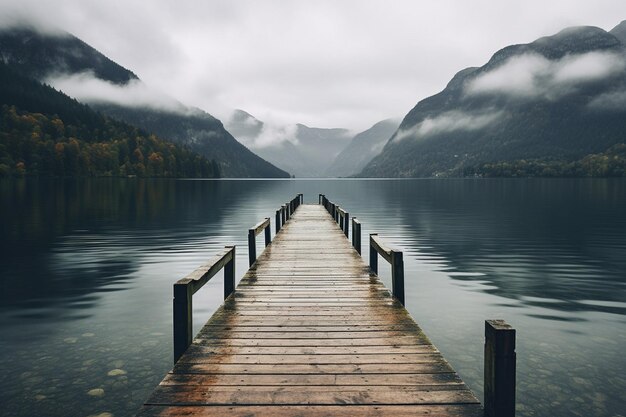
(362, 149)
(301, 150)
(42, 56)
(559, 98)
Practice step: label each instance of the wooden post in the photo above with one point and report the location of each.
(397, 275)
(268, 234)
(340, 219)
(287, 211)
(251, 246)
(356, 234)
(301, 199)
(283, 213)
(346, 223)
(183, 325)
(373, 255)
(499, 369)
(229, 275)
(319, 199)
(277, 221)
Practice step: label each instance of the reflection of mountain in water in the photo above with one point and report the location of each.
(66, 241)
(557, 244)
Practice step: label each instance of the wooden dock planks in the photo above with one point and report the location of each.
(311, 332)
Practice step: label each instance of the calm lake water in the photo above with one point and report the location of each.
(87, 269)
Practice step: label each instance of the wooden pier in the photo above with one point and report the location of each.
(309, 331)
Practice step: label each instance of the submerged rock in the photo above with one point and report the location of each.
(96, 392)
(116, 372)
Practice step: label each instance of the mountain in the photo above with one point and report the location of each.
(46, 133)
(36, 55)
(555, 100)
(362, 148)
(619, 31)
(301, 150)
(66, 62)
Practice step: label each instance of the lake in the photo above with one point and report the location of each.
(87, 268)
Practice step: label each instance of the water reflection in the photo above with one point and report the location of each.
(87, 268)
(534, 240)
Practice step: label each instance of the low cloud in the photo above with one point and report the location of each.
(86, 87)
(275, 134)
(449, 122)
(534, 76)
(615, 100)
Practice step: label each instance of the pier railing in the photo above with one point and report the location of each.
(395, 258)
(185, 288)
(286, 210)
(255, 230)
(499, 352)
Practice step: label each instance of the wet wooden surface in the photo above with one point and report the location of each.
(310, 332)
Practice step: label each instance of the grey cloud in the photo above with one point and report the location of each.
(534, 76)
(615, 100)
(86, 87)
(451, 121)
(324, 63)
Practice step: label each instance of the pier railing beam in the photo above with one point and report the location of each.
(185, 288)
(499, 369)
(277, 220)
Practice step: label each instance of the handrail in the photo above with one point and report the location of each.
(185, 288)
(342, 217)
(380, 247)
(255, 230)
(286, 210)
(344, 220)
(394, 257)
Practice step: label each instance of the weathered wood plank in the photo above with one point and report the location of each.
(433, 367)
(465, 410)
(313, 379)
(337, 396)
(357, 359)
(306, 350)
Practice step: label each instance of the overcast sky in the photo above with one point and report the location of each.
(324, 63)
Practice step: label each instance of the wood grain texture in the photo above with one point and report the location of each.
(310, 331)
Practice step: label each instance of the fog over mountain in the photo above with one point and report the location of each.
(362, 148)
(69, 64)
(301, 150)
(554, 101)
